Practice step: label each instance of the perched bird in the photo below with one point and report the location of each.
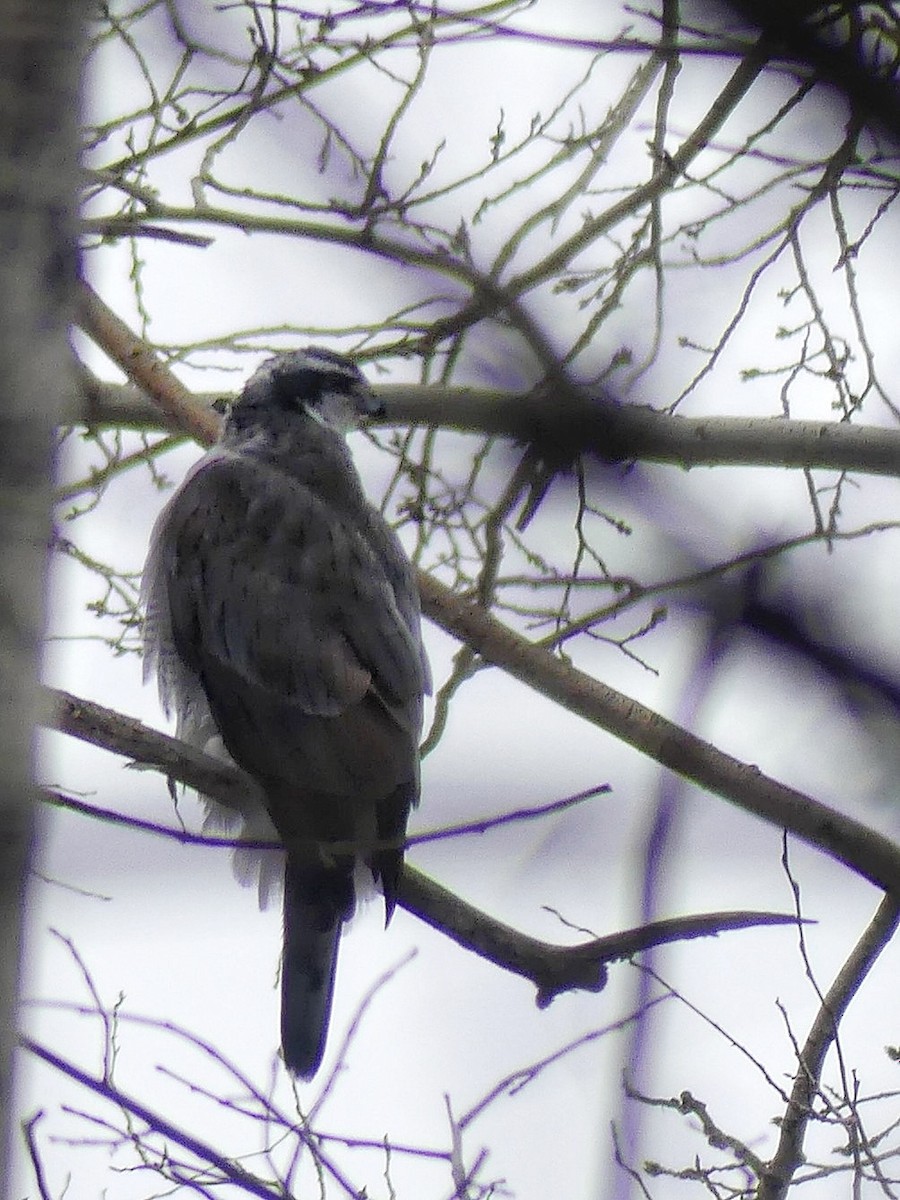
(282, 621)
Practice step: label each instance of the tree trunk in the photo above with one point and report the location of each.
(40, 64)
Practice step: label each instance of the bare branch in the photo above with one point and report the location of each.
(551, 968)
(145, 367)
(600, 426)
(864, 850)
(227, 1169)
(788, 1157)
(123, 735)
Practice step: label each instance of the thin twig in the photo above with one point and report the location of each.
(228, 1169)
(28, 1128)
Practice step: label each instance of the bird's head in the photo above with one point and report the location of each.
(326, 387)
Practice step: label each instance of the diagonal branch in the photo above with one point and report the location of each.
(225, 1168)
(145, 367)
(789, 1155)
(864, 850)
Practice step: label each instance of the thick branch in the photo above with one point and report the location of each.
(797, 29)
(611, 431)
(144, 366)
(551, 968)
(862, 849)
(110, 730)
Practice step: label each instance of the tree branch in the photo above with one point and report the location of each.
(551, 968)
(185, 837)
(613, 432)
(229, 1169)
(848, 65)
(864, 850)
(144, 366)
(823, 1033)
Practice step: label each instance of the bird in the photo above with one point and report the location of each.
(282, 622)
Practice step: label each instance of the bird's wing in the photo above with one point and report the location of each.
(399, 574)
(256, 571)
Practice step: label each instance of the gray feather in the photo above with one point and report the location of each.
(282, 623)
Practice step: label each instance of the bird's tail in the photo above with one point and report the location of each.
(317, 901)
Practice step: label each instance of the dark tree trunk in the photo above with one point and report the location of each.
(40, 65)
